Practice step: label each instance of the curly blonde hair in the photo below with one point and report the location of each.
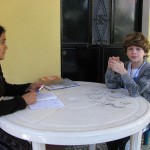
(137, 39)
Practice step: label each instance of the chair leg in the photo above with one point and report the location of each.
(92, 147)
(146, 137)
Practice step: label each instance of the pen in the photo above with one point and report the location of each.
(40, 88)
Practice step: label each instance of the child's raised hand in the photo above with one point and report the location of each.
(116, 58)
(118, 67)
(112, 60)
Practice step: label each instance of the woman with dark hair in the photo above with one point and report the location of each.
(133, 75)
(23, 95)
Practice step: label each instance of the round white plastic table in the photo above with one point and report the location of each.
(91, 114)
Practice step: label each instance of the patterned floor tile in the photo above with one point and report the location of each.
(99, 147)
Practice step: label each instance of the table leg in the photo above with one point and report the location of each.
(92, 147)
(136, 141)
(38, 146)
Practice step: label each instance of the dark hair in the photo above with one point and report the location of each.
(136, 39)
(2, 30)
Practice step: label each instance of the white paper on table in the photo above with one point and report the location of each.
(49, 103)
(65, 83)
(45, 96)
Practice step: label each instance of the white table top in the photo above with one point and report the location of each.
(91, 114)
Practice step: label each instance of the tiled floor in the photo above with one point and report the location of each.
(98, 147)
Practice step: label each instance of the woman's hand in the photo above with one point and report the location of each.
(33, 87)
(30, 97)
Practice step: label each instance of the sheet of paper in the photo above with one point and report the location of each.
(45, 96)
(49, 103)
(65, 83)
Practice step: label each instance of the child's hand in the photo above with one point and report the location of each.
(116, 58)
(111, 60)
(118, 67)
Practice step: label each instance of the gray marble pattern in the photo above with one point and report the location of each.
(100, 147)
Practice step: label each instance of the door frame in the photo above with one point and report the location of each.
(146, 18)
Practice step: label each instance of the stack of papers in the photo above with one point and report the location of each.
(46, 100)
(65, 83)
